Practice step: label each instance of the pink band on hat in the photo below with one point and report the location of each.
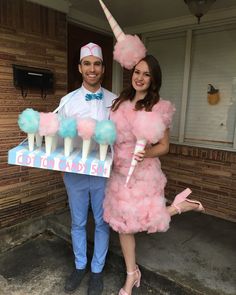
(91, 49)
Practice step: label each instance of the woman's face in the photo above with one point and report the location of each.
(141, 78)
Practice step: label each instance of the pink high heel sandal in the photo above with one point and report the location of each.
(183, 197)
(136, 283)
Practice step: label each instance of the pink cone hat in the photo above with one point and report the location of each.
(119, 34)
(129, 50)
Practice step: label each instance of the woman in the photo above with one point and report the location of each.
(140, 206)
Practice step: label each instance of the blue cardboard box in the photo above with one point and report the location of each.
(21, 155)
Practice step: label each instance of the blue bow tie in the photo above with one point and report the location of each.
(91, 96)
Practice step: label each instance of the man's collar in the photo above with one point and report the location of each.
(85, 90)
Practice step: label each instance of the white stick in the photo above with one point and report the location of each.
(140, 145)
(86, 148)
(48, 144)
(39, 140)
(103, 151)
(31, 141)
(54, 143)
(68, 146)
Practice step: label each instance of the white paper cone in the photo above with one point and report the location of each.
(39, 140)
(31, 141)
(48, 144)
(119, 34)
(54, 143)
(68, 146)
(103, 151)
(140, 145)
(86, 148)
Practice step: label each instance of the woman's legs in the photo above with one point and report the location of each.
(127, 242)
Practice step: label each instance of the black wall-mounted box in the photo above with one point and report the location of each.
(27, 77)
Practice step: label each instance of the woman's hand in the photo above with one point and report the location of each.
(139, 156)
(159, 149)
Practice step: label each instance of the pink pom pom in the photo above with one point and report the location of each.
(129, 51)
(86, 127)
(167, 111)
(149, 126)
(48, 124)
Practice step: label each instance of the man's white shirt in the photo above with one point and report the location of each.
(75, 105)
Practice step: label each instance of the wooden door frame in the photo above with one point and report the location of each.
(78, 36)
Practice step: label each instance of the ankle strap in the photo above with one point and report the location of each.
(132, 272)
(177, 208)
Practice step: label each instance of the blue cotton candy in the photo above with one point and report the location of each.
(105, 132)
(28, 121)
(67, 127)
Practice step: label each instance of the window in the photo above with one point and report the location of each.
(208, 58)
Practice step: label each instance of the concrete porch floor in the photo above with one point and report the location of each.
(40, 266)
(196, 256)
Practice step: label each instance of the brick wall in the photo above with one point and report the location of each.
(34, 36)
(211, 174)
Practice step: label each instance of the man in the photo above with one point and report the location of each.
(91, 100)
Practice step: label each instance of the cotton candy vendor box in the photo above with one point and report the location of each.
(57, 161)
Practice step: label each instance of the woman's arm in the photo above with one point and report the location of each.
(156, 150)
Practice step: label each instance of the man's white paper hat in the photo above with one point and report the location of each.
(91, 49)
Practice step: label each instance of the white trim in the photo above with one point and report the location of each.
(88, 21)
(234, 142)
(205, 146)
(216, 16)
(59, 5)
(117, 78)
(184, 100)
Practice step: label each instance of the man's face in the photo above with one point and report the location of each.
(92, 69)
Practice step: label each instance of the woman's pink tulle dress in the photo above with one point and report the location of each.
(141, 206)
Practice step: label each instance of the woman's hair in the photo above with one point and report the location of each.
(152, 96)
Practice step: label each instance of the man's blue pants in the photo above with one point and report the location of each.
(83, 190)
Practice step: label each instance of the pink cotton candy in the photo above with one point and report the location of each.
(140, 206)
(149, 126)
(166, 109)
(86, 127)
(131, 210)
(129, 51)
(48, 124)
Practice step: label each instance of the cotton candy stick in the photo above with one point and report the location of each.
(48, 127)
(49, 144)
(68, 131)
(28, 122)
(140, 145)
(86, 147)
(103, 151)
(86, 129)
(31, 137)
(68, 146)
(54, 143)
(105, 134)
(38, 139)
